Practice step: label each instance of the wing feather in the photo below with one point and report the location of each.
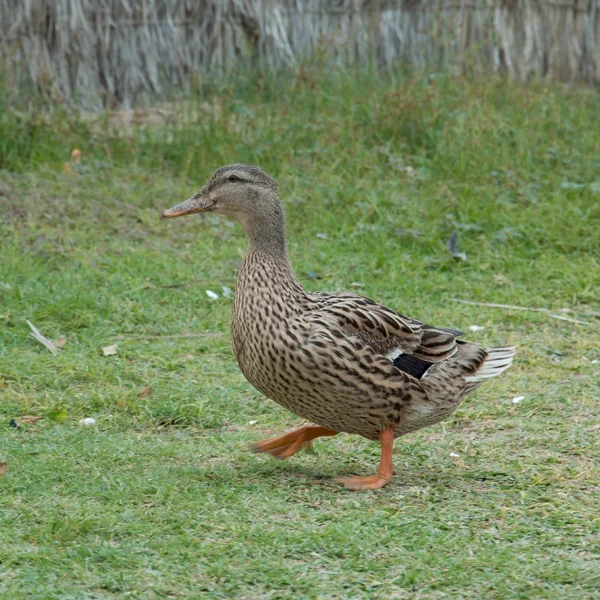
(383, 330)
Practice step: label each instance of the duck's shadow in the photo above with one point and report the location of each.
(298, 472)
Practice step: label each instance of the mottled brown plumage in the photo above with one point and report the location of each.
(339, 360)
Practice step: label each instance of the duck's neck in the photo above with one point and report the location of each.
(265, 230)
(267, 254)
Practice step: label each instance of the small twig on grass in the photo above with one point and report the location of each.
(529, 308)
(36, 335)
(171, 335)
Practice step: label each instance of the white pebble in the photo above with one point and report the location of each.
(212, 295)
(87, 421)
(517, 399)
(476, 328)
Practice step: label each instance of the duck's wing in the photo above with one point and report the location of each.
(384, 331)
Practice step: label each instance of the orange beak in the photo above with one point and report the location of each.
(195, 204)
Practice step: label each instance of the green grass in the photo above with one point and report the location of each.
(162, 498)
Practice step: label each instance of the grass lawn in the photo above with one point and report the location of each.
(161, 497)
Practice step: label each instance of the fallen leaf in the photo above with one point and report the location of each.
(69, 168)
(28, 419)
(109, 350)
(36, 335)
(58, 415)
(3, 469)
(145, 392)
(501, 279)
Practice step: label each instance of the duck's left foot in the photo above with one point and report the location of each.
(288, 444)
(385, 472)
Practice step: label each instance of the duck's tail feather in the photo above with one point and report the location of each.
(496, 362)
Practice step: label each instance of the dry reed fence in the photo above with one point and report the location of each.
(121, 52)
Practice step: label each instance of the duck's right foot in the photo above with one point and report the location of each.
(385, 471)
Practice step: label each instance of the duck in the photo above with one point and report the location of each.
(342, 362)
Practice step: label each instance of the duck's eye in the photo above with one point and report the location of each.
(233, 178)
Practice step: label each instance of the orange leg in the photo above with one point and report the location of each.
(385, 472)
(289, 443)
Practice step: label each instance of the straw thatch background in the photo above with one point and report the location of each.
(120, 52)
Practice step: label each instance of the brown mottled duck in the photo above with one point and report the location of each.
(339, 360)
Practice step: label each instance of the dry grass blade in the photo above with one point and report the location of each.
(36, 335)
(516, 307)
(170, 336)
(568, 319)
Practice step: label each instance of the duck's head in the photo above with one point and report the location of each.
(234, 190)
